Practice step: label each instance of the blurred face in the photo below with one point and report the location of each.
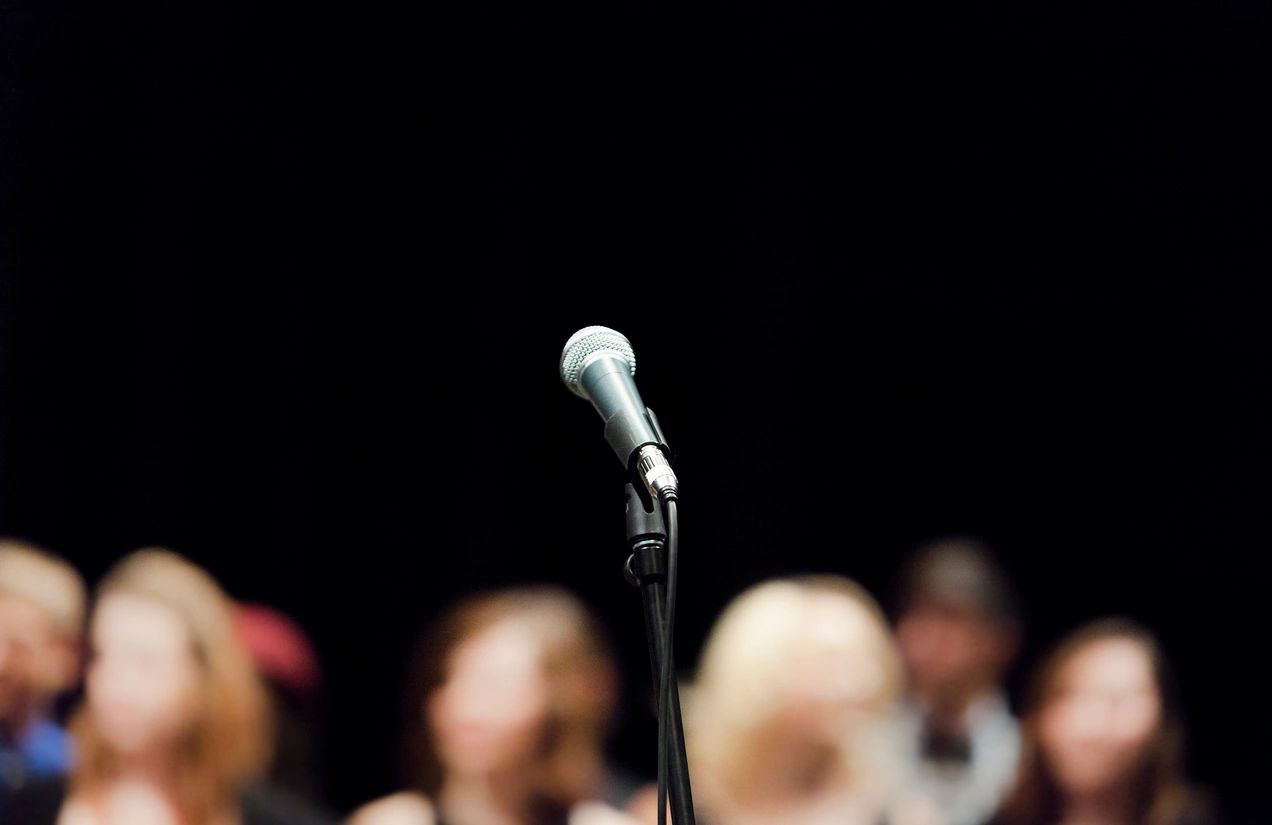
(143, 680)
(836, 677)
(949, 653)
(489, 714)
(35, 662)
(1095, 731)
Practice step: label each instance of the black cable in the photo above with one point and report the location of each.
(672, 516)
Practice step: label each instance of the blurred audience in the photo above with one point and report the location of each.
(804, 710)
(42, 602)
(1104, 737)
(958, 628)
(287, 662)
(510, 702)
(790, 717)
(174, 727)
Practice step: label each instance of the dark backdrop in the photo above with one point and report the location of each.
(284, 288)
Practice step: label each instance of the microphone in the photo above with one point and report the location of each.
(598, 364)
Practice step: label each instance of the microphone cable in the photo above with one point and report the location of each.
(672, 517)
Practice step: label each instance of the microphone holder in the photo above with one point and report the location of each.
(647, 569)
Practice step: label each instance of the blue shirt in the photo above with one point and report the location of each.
(45, 750)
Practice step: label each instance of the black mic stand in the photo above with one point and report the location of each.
(647, 569)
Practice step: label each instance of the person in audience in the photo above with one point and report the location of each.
(287, 662)
(509, 706)
(958, 627)
(173, 729)
(789, 719)
(42, 602)
(1104, 737)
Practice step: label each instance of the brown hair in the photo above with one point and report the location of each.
(1163, 796)
(227, 745)
(963, 573)
(579, 671)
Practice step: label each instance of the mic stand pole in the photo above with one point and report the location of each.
(647, 569)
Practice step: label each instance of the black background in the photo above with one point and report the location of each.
(284, 288)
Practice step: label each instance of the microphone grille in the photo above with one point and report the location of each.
(586, 343)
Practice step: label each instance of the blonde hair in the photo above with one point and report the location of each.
(52, 585)
(579, 670)
(227, 746)
(747, 660)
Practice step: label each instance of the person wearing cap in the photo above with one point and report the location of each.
(958, 627)
(41, 616)
(287, 661)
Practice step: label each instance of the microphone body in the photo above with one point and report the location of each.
(598, 364)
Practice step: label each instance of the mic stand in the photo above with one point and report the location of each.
(647, 569)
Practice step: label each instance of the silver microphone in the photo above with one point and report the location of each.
(598, 364)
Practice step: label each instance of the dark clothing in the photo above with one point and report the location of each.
(35, 803)
(270, 805)
(39, 803)
(620, 787)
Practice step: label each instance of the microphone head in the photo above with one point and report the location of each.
(585, 344)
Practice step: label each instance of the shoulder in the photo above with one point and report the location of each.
(75, 813)
(406, 808)
(643, 805)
